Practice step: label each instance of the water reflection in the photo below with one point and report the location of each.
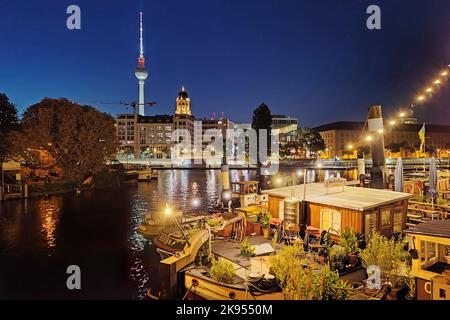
(49, 210)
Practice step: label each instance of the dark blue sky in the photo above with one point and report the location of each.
(314, 59)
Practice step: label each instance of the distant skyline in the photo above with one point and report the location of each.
(314, 60)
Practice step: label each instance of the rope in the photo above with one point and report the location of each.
(187, 292)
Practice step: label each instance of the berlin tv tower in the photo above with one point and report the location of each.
(141, 72)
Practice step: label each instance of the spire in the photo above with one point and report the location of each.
(141, 38)
(182, 89)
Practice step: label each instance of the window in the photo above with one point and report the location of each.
(330, 219)
(370, 223)
(386, 217)
(398, 219)
(428, 253)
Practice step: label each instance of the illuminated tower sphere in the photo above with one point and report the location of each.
(141, 72)
(183, 103)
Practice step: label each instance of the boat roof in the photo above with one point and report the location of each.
(349, 197)
(435, 228)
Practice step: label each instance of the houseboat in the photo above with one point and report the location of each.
(430, 250)
(335, 206)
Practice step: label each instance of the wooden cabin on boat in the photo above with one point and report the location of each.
(247, 193)
(431, 264)
(335, 207)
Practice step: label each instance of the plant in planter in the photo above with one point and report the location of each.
(349, 241)
(214, 221)
(338, 257)
(440, 201)
(300, 282)
(324, 252)
(247, 250)
(202, 258)
(265, 221)
(391, 257)
(222, 271)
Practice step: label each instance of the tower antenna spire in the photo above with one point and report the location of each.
(141, 38)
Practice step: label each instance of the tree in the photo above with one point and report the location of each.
(8, 123)
(262, 119)
(310, 140)
(80, 139)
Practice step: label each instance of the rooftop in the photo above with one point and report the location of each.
(353, 198)
(435, 228)
(351, 125)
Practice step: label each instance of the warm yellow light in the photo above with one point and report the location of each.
(380, 131)
(369, 138)
(444, 74)
(392, 123)
(437, 81)
(429, 90)
(167, 210)
(278, 180)
(420, 98)
(402, 114)
(299, 173)
(319, 165)
(350, 147)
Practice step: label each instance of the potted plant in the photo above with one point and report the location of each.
(390, 256)
(337, 258)
(265, 221)
(247, 250)
(349, 241)
(222, 271)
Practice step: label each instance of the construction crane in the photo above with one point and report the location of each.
(133, 104)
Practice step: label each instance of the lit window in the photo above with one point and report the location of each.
(330, 220)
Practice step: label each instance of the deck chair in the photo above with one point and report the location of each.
(292, 234)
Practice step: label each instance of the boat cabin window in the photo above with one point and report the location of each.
(386, 217)
(398, 219)
(330, 220)
(428, 254)
(370, 222)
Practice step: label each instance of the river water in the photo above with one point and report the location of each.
(95, 230)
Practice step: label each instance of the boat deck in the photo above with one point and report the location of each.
(232, 250)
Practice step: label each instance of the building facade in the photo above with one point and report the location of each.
(342, 138)
(286, 126)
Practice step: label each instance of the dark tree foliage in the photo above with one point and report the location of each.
(310, 140)
(8, 123)
(262, 119)
(80, 139)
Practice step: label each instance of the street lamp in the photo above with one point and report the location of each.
(369, 138)
(167, 210)
(195, 203)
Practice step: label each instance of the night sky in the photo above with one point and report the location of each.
(313, 59)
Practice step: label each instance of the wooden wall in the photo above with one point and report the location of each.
(274, 206)
(349, 218)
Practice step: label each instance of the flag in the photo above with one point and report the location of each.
(422, 136)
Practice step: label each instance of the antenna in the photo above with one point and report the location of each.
(141, 38)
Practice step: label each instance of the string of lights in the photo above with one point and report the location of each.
(427, 93)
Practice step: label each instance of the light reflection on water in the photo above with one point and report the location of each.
(49, 210)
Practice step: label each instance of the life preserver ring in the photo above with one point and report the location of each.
(427, 287)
